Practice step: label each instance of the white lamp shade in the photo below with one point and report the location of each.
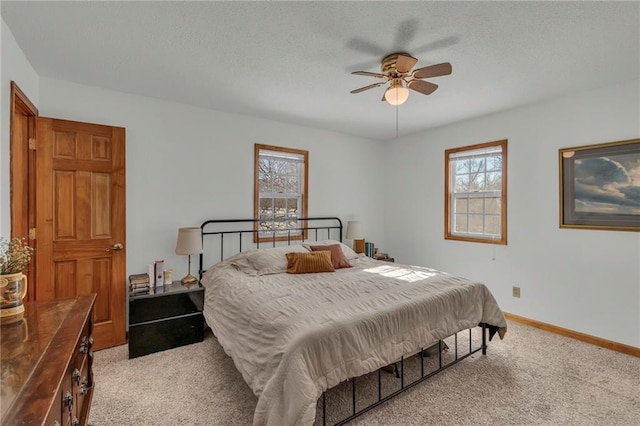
(396, 95)
(189, 241)
(354, 230)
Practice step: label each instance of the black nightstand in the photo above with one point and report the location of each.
(169, 318)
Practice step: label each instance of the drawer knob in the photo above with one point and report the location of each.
(67, 401)
(85, 387)
(85, 344)
(75, 422)
(76, 376)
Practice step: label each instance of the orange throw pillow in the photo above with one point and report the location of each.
(337, 255)
(305, 263)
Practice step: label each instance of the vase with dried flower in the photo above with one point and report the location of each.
(15, 256)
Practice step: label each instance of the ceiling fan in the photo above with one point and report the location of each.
(396, 70)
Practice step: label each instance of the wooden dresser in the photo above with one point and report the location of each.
(46, 364)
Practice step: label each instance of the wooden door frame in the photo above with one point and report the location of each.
(22, 179)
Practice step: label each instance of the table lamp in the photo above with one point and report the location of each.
(189, 242)
(354, 232)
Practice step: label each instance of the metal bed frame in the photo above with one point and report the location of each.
(330, 224)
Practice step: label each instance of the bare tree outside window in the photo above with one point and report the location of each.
(280, 193)
(476, 193)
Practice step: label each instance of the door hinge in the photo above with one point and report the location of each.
(32, 233)
(32, 143)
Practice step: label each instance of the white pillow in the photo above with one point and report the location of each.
(273, 260)
(348, 252)
(240, 261)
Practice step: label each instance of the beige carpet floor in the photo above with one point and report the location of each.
(532, 377)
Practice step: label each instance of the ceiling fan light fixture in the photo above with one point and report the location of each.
(397, 94)
(396, 70)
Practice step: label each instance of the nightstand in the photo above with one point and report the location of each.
(169, 318)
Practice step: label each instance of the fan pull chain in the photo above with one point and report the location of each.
(396, 121)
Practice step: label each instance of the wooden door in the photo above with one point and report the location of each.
(80, 223)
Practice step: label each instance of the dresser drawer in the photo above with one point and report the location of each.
(69, 401)
(83, 387)
(165, 334)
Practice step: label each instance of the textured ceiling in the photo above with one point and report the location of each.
(291, 61)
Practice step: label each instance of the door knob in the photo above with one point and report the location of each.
(116, 247)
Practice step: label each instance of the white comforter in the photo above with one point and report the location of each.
(294, 336)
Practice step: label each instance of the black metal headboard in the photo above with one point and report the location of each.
(318, 227)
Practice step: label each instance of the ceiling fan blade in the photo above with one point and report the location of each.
(405, 33)
(369, 74)
(436, 44)
(433, 71)
(404, 63)
(365, 46)
(423, 87)
(371, 86)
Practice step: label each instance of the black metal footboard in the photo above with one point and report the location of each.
(355, 412)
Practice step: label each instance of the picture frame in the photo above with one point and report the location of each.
(600, 186)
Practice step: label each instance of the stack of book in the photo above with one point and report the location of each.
(139, 283)
(381, 256)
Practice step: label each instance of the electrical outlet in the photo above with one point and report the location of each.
(516, 291)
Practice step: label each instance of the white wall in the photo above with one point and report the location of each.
(186, 165)
(16, 67)
(583, 280)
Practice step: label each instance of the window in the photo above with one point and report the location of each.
(280, 191)
(476, 193)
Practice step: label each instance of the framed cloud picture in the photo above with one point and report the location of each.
(600, 186)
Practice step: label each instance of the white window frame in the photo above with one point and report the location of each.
(479, 151)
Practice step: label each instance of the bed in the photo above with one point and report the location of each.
(294, 336)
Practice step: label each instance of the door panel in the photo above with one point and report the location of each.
(80, 172)
(64, 183)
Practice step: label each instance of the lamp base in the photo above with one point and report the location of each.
(189, 279)
(358, 246)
